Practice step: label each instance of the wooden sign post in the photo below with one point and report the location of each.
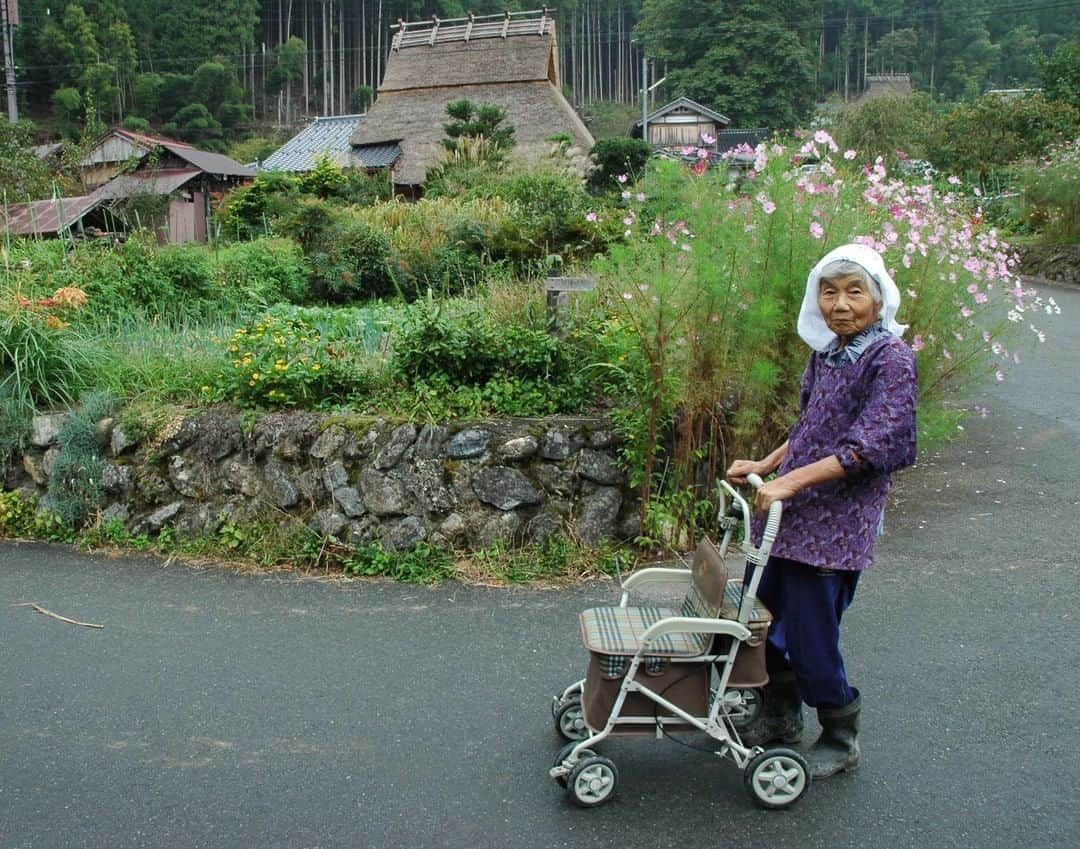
(558, 289)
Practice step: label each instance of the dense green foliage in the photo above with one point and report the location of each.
(470, 120)
(759, 61)
(1050, 195)
(614, 157)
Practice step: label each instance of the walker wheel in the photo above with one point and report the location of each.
(742, 706)
(592, 782)
(570, 719)
(564, 753)
(777, 778)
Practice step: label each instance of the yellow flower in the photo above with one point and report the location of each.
(316, 367)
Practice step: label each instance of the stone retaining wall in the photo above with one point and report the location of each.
(471, 485)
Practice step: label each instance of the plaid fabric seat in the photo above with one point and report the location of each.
(614, 633)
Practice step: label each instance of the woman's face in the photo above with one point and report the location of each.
(847, 305)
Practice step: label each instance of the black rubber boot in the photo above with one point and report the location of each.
(781, 719)
(837, 749)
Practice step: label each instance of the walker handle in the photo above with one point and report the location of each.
(772, 523)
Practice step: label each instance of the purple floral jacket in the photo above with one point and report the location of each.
(863, 412)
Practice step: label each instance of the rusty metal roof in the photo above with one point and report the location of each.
(41, 217)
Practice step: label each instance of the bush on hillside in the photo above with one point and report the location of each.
(615, 156)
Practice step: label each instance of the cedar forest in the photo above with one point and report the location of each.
(211, 72)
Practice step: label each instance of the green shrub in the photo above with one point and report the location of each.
(975, 139)
(44, 362)
(259, 273)
(285, 362)
(75, 487)
(324, 180)
(14, 428)
(1050, 199)
(249, 211)
(21, 518)
(478, 365)
(615, 156)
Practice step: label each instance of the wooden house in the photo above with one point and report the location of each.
(681, 123)
(122, 167)
(509, 60)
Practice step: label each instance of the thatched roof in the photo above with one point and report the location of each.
(433, 68)
(883, 85)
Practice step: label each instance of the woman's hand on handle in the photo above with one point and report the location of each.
(738, 470)
(778, 489)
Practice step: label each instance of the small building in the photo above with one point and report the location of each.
(174, 184)
(123, 151)
(681, 123)
(323, 137)
(508, 60)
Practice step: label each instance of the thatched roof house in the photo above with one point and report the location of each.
(509, 60)
(885, 85)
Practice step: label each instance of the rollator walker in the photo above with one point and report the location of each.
(700, 666)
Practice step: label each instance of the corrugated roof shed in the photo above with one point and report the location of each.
(42, 217)
(163, 182)
(323, 137)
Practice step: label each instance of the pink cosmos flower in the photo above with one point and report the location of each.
(622, 178)
(591, 216)
(981, 298)
(816, 230)
(768, 207)
(917, 343)
(707, 139)
(954, 180)
(849, 154)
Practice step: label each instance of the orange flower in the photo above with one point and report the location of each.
(69, 296)
(55, 323)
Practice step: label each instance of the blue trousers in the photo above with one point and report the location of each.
(807, 604)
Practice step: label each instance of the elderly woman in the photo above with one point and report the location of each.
(856, 426)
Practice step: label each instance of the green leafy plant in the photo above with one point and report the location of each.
(43, 361)
(75, 486)
(285, 362)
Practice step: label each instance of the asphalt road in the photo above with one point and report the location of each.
(226, 710)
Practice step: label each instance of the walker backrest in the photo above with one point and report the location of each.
(705, 596)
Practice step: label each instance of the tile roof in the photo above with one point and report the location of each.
(323, 137)
(378, 155)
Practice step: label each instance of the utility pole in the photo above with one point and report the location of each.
(9, 17)
(644, 96)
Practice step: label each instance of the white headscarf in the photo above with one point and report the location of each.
(812, 327)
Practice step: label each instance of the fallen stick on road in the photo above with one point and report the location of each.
(39, 609)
